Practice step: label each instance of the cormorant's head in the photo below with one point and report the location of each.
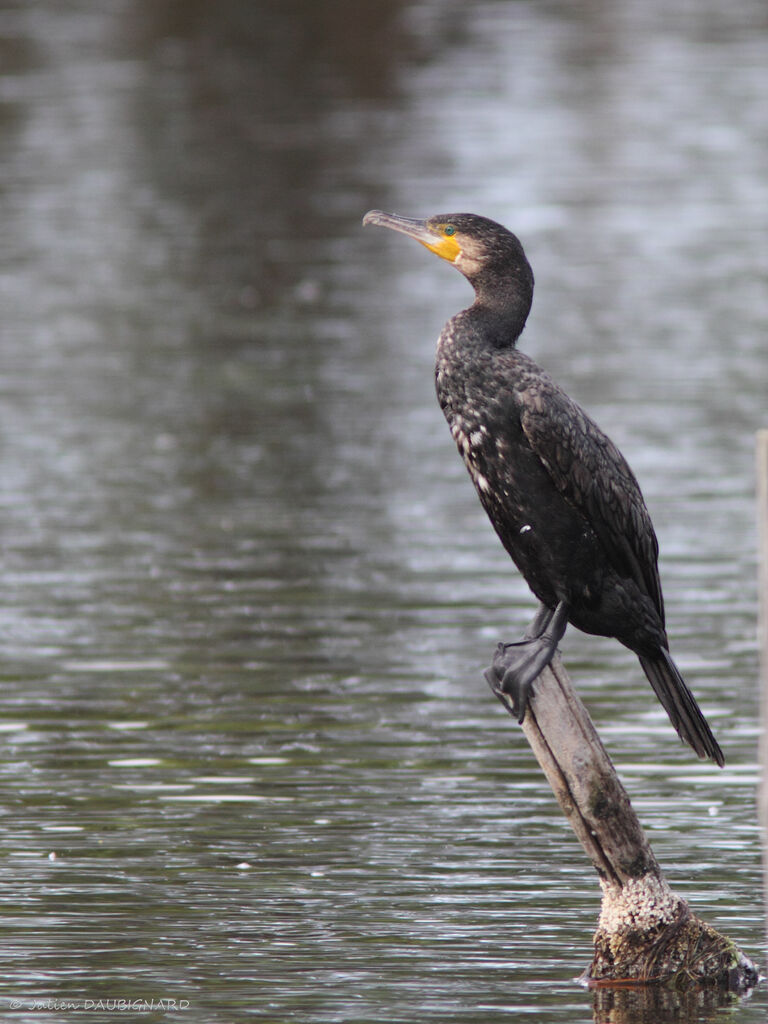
(486, 253)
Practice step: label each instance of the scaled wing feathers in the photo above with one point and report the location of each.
(592, 474)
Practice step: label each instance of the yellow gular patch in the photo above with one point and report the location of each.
(447, 247)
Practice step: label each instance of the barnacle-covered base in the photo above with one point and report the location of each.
(648, 935)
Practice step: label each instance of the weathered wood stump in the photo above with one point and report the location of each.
(645, 934)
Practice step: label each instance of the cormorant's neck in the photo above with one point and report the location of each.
(501, 308)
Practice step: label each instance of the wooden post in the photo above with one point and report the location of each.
(761, 468)
(645, 933)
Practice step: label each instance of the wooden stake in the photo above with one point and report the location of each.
(645, 933)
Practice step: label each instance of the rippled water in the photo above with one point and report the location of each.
(250, 763)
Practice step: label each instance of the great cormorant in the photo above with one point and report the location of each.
(558, 492)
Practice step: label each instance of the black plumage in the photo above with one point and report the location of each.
(558, 492)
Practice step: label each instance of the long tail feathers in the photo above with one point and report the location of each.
(681, 706)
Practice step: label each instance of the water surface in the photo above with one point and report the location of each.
(250, 763)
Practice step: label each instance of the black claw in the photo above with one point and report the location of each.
(507, 683)
(518, 691)
(509, 699)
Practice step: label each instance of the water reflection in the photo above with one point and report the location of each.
(249, 759)
(646, 1006)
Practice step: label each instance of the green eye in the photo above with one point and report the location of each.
(449, 229)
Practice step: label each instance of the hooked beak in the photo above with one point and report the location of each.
(448, 248)
(405, 225)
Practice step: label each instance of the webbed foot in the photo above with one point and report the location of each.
(516, 665)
